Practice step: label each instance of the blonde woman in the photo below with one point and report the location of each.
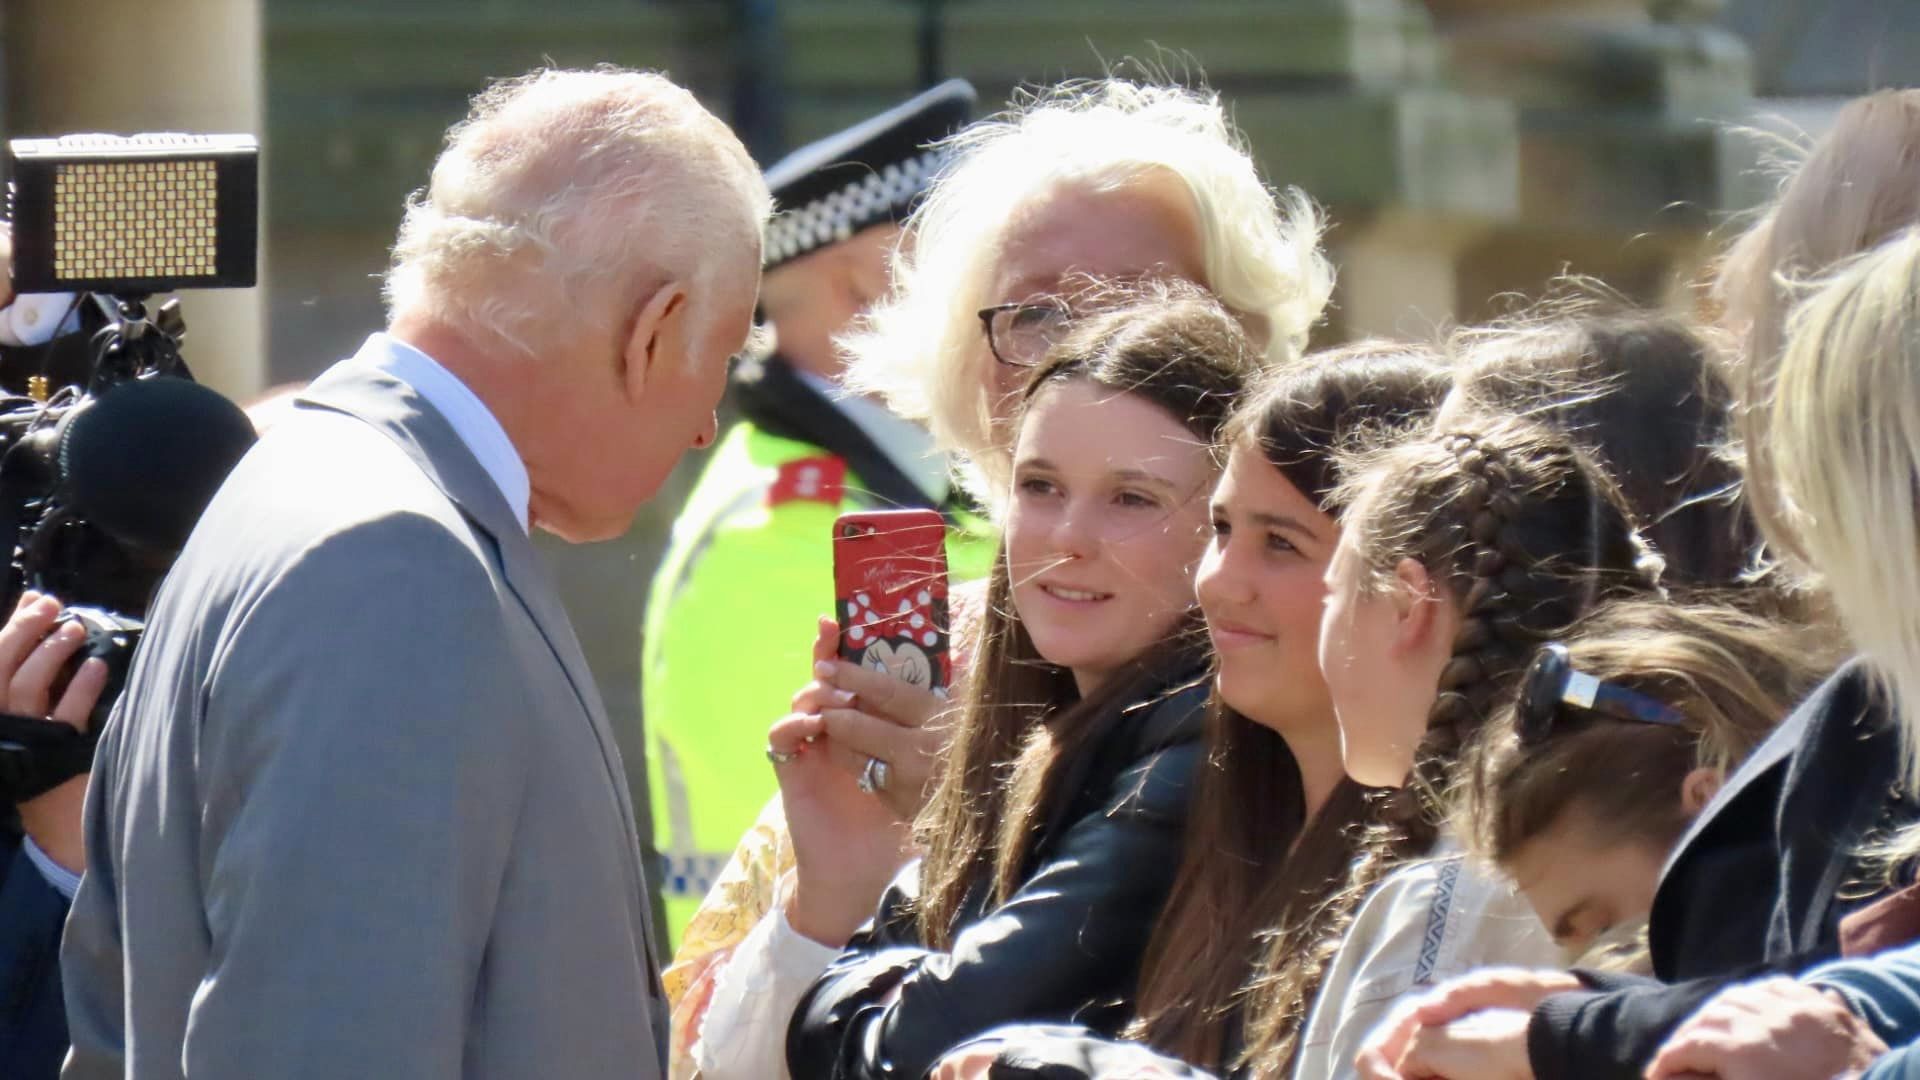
(1845, 420)
(1134, 175)
(1102, 180)
(1859, 185)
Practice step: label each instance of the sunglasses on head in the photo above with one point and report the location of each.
(1552, 681)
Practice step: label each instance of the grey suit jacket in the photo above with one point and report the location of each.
(359, 813)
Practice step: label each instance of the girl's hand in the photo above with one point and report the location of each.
(1494, 988)
(871, 715)
(1488, 1045)
(847, 844)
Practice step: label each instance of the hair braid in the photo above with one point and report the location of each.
(1526, 532)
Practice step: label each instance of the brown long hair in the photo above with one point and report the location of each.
(1022, 722)
(1253, 867)
(1858, 186)
(1647, 395)
(1731, 675)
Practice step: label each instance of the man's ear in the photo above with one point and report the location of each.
(1417, 605)
(658, 335)
(1698, 788)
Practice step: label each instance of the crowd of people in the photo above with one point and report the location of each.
(1538, 701)
(1461, 708)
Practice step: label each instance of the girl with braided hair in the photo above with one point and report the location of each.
(1463, 551)
(1787, 830)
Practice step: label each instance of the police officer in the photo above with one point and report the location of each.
(731, 614)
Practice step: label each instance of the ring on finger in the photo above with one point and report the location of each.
(873, 777)
(781, 757)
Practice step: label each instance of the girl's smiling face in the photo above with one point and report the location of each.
(1107, 520)
(1262, 585)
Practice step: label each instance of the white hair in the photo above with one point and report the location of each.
(1261, 254)
(563, 195)
(1844, 427)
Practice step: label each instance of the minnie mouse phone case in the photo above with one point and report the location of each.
(890, 585)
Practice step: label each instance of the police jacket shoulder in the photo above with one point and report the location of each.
(1065, 947)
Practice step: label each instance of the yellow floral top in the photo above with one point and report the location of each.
(743, 895)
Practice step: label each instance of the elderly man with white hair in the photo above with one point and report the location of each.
(360, 812)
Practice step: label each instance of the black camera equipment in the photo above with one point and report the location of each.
(110, 452)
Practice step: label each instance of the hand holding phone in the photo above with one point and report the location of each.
(890, 584)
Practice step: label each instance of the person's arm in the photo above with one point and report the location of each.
(33, 1030)
(743, 1035)
(1773, 1029)
(1069, 939)
(1883, 990)
(361, 765)
(92, 966)
(1902, 1063)
(33, 653)
(1611, 1033)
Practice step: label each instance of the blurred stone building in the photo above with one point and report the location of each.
(1466, 150)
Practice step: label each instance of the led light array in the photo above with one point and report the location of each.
(135, 219)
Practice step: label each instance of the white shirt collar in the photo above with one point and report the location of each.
(904, 442)
(469, 416)
(62, 879)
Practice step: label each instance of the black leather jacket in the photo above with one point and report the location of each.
(1065, 947)
(1056, 1052)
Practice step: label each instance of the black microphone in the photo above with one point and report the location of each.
(142, 461)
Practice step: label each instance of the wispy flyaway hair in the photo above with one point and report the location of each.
(920, 349)
(565, 194)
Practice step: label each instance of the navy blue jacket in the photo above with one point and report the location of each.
(33, 1019)
(1757, 887)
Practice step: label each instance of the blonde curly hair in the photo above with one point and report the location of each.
(1260, 251)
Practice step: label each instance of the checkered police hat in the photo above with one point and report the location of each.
(870, 173)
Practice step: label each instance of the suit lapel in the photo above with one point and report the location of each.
(400, 413)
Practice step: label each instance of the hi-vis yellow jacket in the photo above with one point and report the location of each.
(732, 609)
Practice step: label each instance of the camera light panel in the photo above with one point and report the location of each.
(134, 214)
(136, 219)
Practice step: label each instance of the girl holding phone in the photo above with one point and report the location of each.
(1053, 834)
(1109, 180)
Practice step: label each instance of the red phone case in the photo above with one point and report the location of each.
(890, 585)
